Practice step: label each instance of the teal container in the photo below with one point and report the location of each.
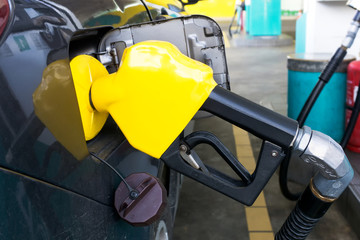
(247, 14)
(265, 18)
(328, 113)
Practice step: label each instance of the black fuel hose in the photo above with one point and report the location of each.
(324, 78)
(350, 127)
(308, 211)
(283, 179)
(231, 23)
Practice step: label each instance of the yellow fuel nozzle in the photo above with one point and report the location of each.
(152, 97)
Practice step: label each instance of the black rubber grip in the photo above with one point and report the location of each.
(333, 64)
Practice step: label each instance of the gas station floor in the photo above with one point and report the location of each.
(258, 74)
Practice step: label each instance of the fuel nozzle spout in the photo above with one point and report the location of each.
(334, 175)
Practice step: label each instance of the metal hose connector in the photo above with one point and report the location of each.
(351, 34)
(326, 155)
(335, 174)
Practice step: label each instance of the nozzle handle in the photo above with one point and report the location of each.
(244, 189)
(256, 119)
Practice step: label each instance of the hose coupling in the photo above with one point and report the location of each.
(351, 34)
(321, 151)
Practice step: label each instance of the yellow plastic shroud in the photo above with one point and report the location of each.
(152, 97)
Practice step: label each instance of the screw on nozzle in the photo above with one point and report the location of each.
(134, 194)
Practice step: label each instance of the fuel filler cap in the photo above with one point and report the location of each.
(145, 203)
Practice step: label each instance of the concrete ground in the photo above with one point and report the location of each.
(259, 74)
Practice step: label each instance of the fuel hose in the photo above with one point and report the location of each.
(324, 78)
(352, 122)
(307, 212)
(334, 175)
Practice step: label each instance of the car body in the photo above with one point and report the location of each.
(167, 7)
(46, 193)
